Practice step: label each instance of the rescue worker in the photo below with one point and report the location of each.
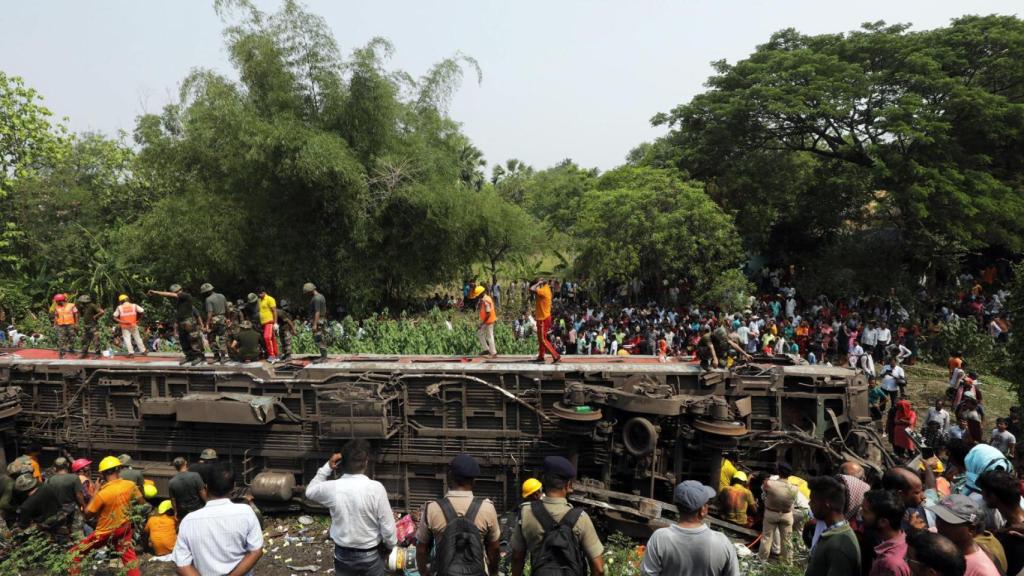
(185, 489)
(532, 490)
(268, 322)
(542, 314)
(246, 344)
(458, 502)
(31, 457)
(127, 315)
(65, 319)
(6, 498)
(90, 315)
(129, 473)
(528, 536)
(187, 320)
(488, 316)
(161, 530)
(234, 326)
(55, 506)
(779, 499)
(216, 324)
(81, 467)
(251, 312)
(111, 509)
(736, 500)
(317, 319)
(287, 329)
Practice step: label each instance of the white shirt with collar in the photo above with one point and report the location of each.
(869, 337)
(361, 516)
(215, 538)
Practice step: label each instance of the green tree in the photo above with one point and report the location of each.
(649, 224)
(29, 140)
(919, 132)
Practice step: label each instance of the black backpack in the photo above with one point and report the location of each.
(560, 553)
(461, 550)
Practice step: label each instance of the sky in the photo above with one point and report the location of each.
(575, 79)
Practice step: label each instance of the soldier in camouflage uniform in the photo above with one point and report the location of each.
(189, 323)
(284, 319)
(234, 326)
(216, 321)
(90, 314)
(317, 319)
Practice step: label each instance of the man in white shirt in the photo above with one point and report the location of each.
(361, 519)
(222, 537)
(883, 339)
(940, 415)
(869, 339)
(892, 376)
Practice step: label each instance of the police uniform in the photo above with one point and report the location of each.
(528, 535)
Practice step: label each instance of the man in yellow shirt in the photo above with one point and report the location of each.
(736, 500)
(268, 320)
(161, 529)
(110, 508)
(542, 314)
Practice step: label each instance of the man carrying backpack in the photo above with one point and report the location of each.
(460, 528)
(561, 539)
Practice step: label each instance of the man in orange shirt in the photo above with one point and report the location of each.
(161, 529)
(111, 510)
(542, 314)
(488, 316)
(65, 320)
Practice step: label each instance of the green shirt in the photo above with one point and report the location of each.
(248, 344)
(875, 396)
(837, 554)
(216, 304)
(88, 312)
(133, 475)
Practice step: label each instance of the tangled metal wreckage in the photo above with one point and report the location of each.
(634, 426)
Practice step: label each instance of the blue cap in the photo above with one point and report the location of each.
(464, 466)
(690, 495)
(559, 466)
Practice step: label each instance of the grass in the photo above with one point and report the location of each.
(927, 382)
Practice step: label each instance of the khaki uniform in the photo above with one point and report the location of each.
(779, 498)
(528, 534)
(432, 523)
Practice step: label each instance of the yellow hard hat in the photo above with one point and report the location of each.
(476, 292)
(122, 297)
(109, 463)
(937, 466)
(740, 475)
(530, 486)
(164, 507)
(149, 490)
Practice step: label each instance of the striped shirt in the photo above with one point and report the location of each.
(215, 538)
(361, 515)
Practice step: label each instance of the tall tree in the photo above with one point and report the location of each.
(920, 132)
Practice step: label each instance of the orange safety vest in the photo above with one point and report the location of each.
(487, 317)
(66, 314)
(127, 315)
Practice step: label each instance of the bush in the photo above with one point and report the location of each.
(964, 335)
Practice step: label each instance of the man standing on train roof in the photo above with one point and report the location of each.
(65, 318)
(127, 315)
(488, 316)
(317, 319)
(188, 322)
(90, 315)
(216, 306)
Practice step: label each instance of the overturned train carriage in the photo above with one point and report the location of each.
(634, 426)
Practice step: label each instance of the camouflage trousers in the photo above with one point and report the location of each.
(286, 342)
(90, 338)
(66, 338)
(218, 335)
(191, 339)
(320, 337)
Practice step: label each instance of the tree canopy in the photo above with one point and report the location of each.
(815, 136)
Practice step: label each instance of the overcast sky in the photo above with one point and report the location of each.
(562, 79)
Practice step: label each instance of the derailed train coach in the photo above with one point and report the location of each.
(634, 426)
